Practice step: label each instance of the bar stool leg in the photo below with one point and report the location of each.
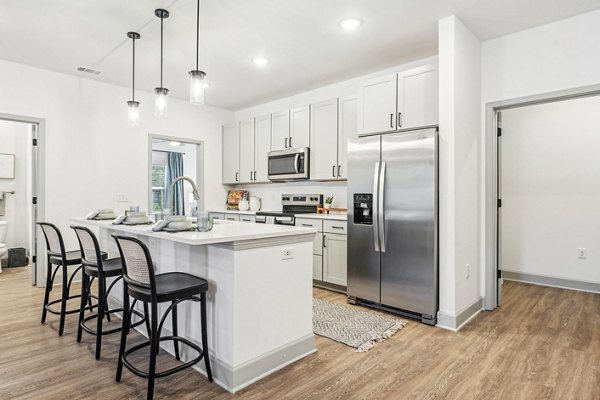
(174, 322)
(147, 320)
(154, 342)
(48, 289)
(63, 303)
(124, 331)
(84, 292)
(203, 319)
(101, 309)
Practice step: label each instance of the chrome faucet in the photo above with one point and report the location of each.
(172, 192)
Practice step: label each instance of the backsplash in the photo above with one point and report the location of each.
(270, 193)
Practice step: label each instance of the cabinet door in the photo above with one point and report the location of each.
(377, 105)
(231, 153)
(247, 218)
(299, 127)
(214, 216)
(317, 268)
(418, 97)
(246, 151)
(262, 146)
(335, 266)
(280, 130)
(346, 130)
(232, 217)
(323, 139)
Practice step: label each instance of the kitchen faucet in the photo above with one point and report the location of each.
(172, 192)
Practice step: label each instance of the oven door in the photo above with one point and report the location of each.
(289, 165)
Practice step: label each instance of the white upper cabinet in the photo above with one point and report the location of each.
(347, 129)
(299, 127)
(231, 153)
(377, 105)
(246, 151)
(418, 97)
(324, 140)
(262, 146)
(405, 100)
(280, 130)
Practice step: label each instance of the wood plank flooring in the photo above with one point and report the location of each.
(543, 343)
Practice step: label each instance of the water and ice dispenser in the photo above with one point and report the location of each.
(363, 208)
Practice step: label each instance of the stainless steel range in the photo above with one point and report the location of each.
(292, 204)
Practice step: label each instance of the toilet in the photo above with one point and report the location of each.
(3, 248)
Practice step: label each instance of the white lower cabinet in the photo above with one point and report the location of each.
(335, 264)
(214, 216)
(329, 251)
(247, 218)
(232, 217)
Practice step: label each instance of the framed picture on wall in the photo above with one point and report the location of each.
(7, 166)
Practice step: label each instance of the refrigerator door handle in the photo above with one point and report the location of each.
(381, 207)
(375, 205)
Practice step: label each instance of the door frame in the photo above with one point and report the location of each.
(38, 190)
(490, 220)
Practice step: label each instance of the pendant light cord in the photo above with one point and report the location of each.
(161, 51)
(133, 74)
(197, 34)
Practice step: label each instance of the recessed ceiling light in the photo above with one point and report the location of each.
(350, 24)
(260, 61)
(175, 144)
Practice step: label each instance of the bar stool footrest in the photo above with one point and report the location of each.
(161, 374)
(110, 331)
(72, 311)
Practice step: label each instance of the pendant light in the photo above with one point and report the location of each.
(197, 83)
(161, 93)
(133, 107)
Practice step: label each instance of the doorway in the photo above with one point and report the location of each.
(498, 156)
(22, 189)
(169, 158)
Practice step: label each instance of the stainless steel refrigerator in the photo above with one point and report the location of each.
(392, 223)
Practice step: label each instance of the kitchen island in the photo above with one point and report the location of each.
(259, 297)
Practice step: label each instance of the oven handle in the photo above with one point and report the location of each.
(296, 162)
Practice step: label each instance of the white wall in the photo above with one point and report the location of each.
(460, 103)
(271, 193)
(550, 189)
(558, 56)
(15, 138)
(91, 153)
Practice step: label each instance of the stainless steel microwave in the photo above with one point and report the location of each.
(289, 165)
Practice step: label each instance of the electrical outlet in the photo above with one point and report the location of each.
(122, 198)
(582, 253)
(468, 273)
(287, 254)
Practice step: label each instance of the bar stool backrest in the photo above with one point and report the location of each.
(54, 240)
(90, 249)
(137, 263)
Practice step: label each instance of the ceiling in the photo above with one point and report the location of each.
(302, 39)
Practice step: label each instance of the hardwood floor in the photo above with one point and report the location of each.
(543, 343)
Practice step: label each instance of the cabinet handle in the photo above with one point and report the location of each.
(236, 176)
(324, 241)
(286, 143)
(337, 227)
(339, 170)
(309, 225)
(290, 142)
(255, 176)
(250, 175)
(399, 119)
(392, 121)
(333, 171)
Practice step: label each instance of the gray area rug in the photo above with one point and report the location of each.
(351, 325)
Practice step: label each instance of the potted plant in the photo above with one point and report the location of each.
(328, 201)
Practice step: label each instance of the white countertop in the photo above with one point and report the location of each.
(222, 232)
(248, 212)
(333, 217)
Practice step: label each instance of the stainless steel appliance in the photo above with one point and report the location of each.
(392, 223)
(289, 165)
(292, 204)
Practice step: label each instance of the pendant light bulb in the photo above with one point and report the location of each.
(133, 113)
(161, 101)
(133, 107)
(197, 86)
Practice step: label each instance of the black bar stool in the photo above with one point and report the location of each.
(95, 267)
(142, 284)
(62, 259)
